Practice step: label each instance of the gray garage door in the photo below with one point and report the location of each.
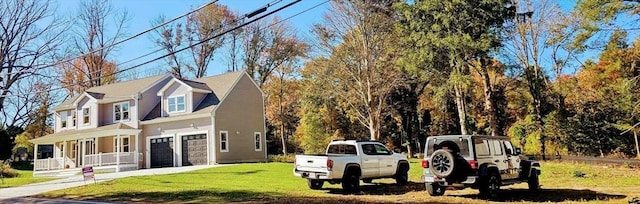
(162, 152)
(194, 150)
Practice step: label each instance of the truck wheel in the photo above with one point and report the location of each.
(350, 182)
(534, 182)
(367, 180)
(315, 184)
(490, 186)
(442, 163)
(434, 189)
(402, 176)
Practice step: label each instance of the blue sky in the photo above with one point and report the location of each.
(142, 12)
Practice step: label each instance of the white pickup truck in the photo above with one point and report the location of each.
(350, 161)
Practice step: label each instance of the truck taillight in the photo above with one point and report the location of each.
(473, 164)
(329, 164)
(425, 164)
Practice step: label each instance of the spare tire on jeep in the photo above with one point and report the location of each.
(442, 163)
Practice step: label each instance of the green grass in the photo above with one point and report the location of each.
(24, 177)
(274, 182)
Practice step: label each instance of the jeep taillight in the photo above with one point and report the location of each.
(425, 164)
(473, 164)
(329, 164)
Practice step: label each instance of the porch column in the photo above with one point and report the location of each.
(84, 149)
(64, 153)
(118, 144)
(137, 152)
(35, 157)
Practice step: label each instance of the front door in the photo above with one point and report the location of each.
(513, 160)
(499, 157)
(370, 161)
(387, 166)
(161, 152)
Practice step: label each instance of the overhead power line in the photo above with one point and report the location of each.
(33, 69)
(262, 9)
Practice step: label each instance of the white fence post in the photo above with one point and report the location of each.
(100, 159)
(49, 163)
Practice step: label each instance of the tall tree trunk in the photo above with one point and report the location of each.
(460, 104)
(489, 104)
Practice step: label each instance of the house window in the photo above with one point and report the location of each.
(224, 143)
(85, 116)
(63, 119)
(73, 118)
(124, 146)
(258, 141)
(121, 111)
(74, 150)
(176, 104)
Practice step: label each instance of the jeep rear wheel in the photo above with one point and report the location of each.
(434, 189)
(442, 163)
(315, 184)
(534, 181)
(490, 186)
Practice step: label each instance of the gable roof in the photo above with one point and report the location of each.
(113, 92)
(194, 86)
(221, 85)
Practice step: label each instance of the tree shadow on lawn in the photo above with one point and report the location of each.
(382, 189)
(549, 195)
(191, 196)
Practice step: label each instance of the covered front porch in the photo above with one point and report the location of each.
(111, 148)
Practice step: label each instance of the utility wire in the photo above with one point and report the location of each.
(115, 43)
(200, 42)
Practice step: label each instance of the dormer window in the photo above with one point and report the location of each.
(176, 104)
(85, 116)
(121, 111)
(63, 119)
(73, 118)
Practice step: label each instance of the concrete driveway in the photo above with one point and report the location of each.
(7, 194)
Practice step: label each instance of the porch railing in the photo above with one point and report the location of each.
(105, 159)
(53, 163)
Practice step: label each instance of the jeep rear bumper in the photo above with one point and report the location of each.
(443, 182)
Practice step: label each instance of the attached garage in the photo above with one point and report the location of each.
(161, 152)
(194, 150)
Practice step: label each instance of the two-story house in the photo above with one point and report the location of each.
(159, 121)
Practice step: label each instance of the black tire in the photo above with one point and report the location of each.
(534, 181)
(350, 182)
(402, 176)
(315, 184)
(442, 163)
(434, 189)
(490, 186)
(367, 180)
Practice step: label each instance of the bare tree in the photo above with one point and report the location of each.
(356, 37)
(30, 34)
(202, 25)
(267, 47)
(93, 38)
(170, 38)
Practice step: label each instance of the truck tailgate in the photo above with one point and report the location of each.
(311, 163)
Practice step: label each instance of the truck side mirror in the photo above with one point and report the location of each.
(518, 151)
(508, 151)
(397, 150)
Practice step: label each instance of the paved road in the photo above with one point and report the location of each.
(12, 194)
(23, 200)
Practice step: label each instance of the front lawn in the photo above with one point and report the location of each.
(274, 182)
(24, 177)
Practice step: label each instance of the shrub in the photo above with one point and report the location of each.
(286, 158)
(7, 171)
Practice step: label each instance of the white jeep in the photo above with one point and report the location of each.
(481, 162)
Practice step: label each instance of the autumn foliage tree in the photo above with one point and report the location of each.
(77, 74)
